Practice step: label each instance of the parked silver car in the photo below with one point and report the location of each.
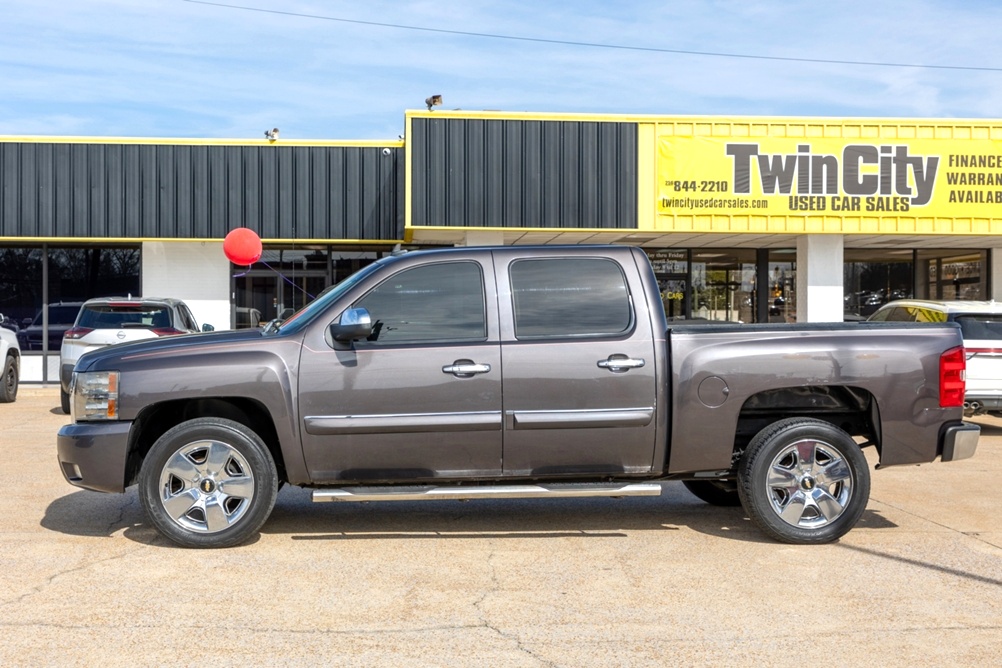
(106, 321)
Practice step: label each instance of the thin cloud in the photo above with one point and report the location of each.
(174, 68)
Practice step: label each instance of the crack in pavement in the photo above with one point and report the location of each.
(514, 638)
(131, 500)
(38, 589)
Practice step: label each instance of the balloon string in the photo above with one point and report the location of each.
(286, 279)
(244, 273)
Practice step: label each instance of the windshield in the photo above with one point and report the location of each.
(297, 321)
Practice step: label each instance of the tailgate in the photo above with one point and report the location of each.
(983, 343)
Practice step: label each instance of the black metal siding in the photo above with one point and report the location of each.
(139, 191)
(516, 173)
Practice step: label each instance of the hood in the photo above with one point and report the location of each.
(108, 356)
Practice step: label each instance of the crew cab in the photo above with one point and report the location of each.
(511, 372)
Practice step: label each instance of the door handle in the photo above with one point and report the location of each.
(466, 368)
(620, 363)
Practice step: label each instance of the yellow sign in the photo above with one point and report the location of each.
(854, 176)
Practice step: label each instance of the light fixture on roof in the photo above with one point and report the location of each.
(433, 101)
(272, 134)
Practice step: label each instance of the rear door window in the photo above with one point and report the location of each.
(569, 297)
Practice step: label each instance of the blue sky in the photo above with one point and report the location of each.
(172, 68)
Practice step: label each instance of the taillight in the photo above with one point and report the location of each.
(952, 378)
(77, 333)
(167, 331)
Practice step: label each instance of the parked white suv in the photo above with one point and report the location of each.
(106, 321)
(10, 363)
(981, 326)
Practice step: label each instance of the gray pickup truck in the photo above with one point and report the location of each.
(512, 373)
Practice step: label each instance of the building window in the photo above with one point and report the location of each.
(21, 294)
(951, 274)
(871, 278)
(43, 286)
(286, 278)
(723, 285)
(781, 298)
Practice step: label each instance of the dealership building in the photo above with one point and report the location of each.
(746, 219)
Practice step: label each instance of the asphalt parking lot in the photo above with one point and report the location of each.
(634, 582)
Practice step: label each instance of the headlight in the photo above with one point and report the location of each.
(95, 395)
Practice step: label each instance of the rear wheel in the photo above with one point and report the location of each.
(8, 383)
(803, 481)
(64, 401)
(714, 492)
(208, 482)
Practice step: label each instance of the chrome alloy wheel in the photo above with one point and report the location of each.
(809, 484)
(206, 486)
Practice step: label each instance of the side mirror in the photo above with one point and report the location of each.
(206, 327)
(354, 323)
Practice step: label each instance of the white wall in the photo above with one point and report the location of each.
(31, 368)
(819, 278)
(194, 271)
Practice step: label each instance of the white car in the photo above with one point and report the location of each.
(10, 358)
(106, 321)
(981, 326)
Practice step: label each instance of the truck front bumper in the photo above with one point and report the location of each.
(92, 455)
(959, 441)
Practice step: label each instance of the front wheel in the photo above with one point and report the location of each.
(208, 483)
(803, 481)
(8, 382)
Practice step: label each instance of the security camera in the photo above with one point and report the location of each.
(387, 152)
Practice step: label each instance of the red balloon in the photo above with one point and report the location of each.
(242, 246)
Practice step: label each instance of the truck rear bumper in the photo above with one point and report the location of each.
(959, 441)
(92, 455)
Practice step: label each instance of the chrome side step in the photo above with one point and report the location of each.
(430, 492)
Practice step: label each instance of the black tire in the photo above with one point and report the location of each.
(9, 380)
(714, 492)
(64, 401)
(208, 483)
(803, 481)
